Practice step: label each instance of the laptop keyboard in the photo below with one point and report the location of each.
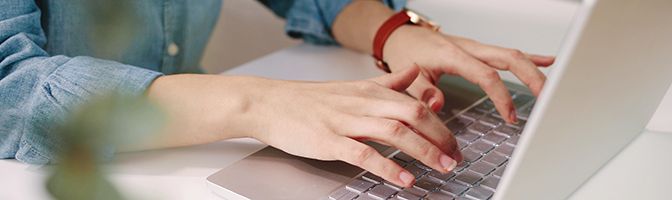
(486, 143)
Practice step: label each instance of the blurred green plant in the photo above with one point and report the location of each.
(91, 134)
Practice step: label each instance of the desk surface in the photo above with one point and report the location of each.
(641, 171)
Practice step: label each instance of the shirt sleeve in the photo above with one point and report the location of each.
(311, 20)
(38, 90)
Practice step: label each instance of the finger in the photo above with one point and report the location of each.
(513, 60)
(543, 61)
(526, 71)
(421, 120)
(366, 157)
(398, 81)
(488, 79)
(424, 90)
(396, 134)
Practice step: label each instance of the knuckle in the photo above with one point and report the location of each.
(394, 128)
(490, 77)
(361, 155)
(516, 54)
(418, 111)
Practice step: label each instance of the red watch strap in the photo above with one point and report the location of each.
(383, 33)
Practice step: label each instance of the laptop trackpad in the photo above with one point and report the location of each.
(271, 173)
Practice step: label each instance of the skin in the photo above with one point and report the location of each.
(329, 120)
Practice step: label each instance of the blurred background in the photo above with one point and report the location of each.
(246, 30)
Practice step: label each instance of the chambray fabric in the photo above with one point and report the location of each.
(51, 62)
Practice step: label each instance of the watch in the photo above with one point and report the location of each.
(403, 17)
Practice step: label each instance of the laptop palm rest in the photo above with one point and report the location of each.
(272, 173)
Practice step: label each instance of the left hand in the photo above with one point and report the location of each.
(436, 54)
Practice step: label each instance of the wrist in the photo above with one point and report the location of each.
(201, 108)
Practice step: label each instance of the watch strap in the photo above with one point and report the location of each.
(384, 33)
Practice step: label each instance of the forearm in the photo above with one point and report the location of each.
(199, 109)
(356, 26)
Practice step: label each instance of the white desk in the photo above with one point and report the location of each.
(641, 171)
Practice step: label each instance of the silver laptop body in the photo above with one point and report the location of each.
(610, 76)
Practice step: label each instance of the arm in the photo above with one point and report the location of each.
(323, 121)
(37, 90)
(437, 53)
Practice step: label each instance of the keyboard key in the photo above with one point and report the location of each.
(505, 149)
(524, 113)
(495, 158)
(467, 136)
(382, 191)
(415, 191)
(416, 171)
(392, 185)
(490, 183)
(494, 138)
(521, 99)
(482, 168)
(440, 176)
(422, 166)
(348, 196)
(342, 193)
(372, 178)
(461, 166)
(513, 140)
(468, 177)
(470, 115)
(399, 162)
(443, 115)
(404, 157)
(506, 131)
(439, 196)
(470, 155)
(403, 195)
(427, 183)
(366, 197)
(359, 185)
(499, 171)
(479, 128)
(482, 146)
(458, 124)
(479, 192)
(454, 188)
(519, 125)
(490, 121)
(461, 144)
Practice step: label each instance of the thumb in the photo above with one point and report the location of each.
(400, 80)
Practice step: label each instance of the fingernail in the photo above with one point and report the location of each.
(406, 177)
(513, 116)
(447, 162)
(433, 103)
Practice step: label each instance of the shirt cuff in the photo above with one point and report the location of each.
(74, 82)
(311, 20)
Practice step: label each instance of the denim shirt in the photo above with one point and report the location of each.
(51, 62)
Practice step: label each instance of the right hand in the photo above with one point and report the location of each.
(328, 121)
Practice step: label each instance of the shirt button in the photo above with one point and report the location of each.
(173, 49)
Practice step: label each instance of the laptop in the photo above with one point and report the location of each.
(609, 77)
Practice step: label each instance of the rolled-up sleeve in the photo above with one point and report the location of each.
(38, 90)
(311, 20)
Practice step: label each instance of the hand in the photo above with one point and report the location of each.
(328, 121)
(438, 54)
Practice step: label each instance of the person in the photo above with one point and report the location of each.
(50, 64)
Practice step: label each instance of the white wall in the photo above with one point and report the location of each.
(245, 30)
